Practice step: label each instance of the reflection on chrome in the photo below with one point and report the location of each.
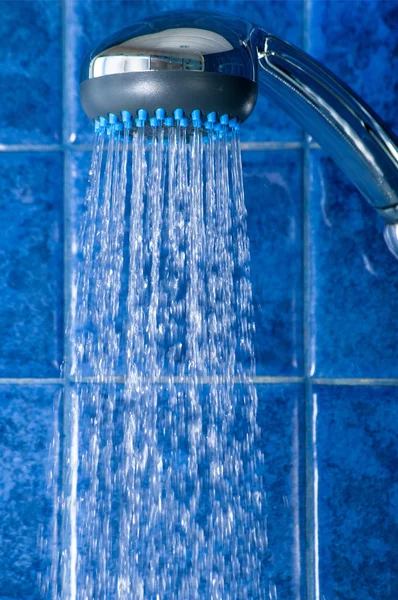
(391, 237)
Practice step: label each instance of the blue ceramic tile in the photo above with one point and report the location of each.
(281, 418)
(358, 41)
(357, 455)
(354, 281)
(31, 258)
(30, 78)
(271, 180)
(272, 183)
(90, 22)
(26, 431)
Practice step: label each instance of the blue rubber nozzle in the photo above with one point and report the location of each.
(224, 119)
(126, 116)
(218, 124)
(178, 114)
(160, 114)
(142, 114)
(196, 115)
(112, 118)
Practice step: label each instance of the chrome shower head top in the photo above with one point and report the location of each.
(206, 63)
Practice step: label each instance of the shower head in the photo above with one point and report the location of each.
(206, 63)
(214, 65)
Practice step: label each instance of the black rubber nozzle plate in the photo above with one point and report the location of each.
(208, 92)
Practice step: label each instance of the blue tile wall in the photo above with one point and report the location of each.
(357, 457)
(324, 289)
(31, 74)
(281, 418)
(274, 215)
(271, 180)
(359, 41)
(26, 430)
(31, 264)
(354, 281)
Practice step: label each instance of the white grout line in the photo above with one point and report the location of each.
(270, 145)
(311, 489)
(246, 146)
(31, 147)
(70, 414)
(30, 381)
(259, 380)
(315, 497)
(200, 380)
(353, 381)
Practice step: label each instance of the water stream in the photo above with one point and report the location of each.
(163, 491)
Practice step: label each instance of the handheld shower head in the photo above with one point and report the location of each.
(216, 64)
(206, 63)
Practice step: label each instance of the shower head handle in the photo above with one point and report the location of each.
(347, 129)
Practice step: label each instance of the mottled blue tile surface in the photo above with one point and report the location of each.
(353, 286)
(30, 77)
(90, 22)
(357, 455)
(274, 216)
(26, 431)
(358, 41)
(31, 264)
(354, 281)
(281, 418)
(272, 181)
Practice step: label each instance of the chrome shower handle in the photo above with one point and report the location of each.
(348, 130)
